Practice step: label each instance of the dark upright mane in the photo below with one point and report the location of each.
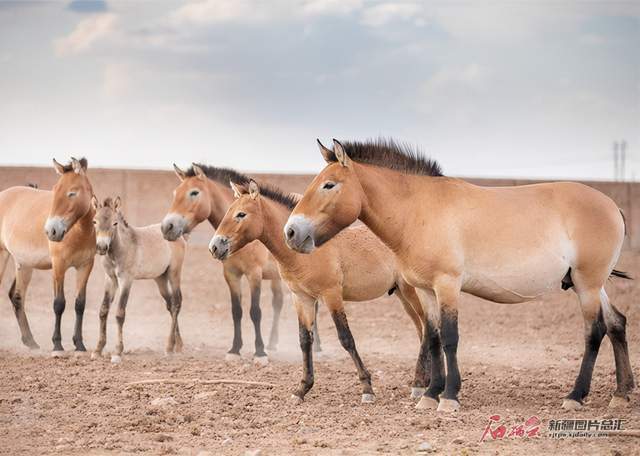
(226, 175)
(69, 167)
(388, 153)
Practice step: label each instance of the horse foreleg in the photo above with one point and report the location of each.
(163, 287)
(110, 287)
(255, 282)
(176, 305)
(58, 307)
(431, 346)
(348, 343)
(124, 287)
(235, 290)
(82, 277)
(276, 291)
(17, 294)
(304, 306)
(317, 347)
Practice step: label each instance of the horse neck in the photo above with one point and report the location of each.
(275, 216)
(122, 239)
(221, 197)
(387, 198)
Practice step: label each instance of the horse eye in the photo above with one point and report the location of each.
(115, 223)
(71, 194)
(194, 193)
(95, 222)
(241, 215)
(328, 185)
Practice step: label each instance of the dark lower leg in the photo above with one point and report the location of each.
(347, 342)
(58, 308)
(104, 313)
(434, 348)
(77, 332)
(175, 311)
(592, 341)
(450, 347)
(277, 309)
(256, 317)
(316, 334)
(423, 365)
(616, 329)
(306, 343)
(236, 313)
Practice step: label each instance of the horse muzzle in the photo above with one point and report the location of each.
(220, 247)
(102, 245)
(298, 234)
(173, 226)
(55, 228)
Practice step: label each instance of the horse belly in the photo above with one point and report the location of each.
(153, 263)
(516, 281)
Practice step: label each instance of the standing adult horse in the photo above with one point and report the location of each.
(66, 214)
(508, 245)
(204, 194)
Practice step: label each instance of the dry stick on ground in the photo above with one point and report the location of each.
(199, 381)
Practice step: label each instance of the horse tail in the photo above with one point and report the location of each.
(621, 274)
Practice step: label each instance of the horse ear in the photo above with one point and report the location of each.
(327, 154)
(58, 167)
(254, 190)
(181, 174)
(341, 155)
(95, 203)
(238, 189)
(77, 166)
(198, 172)
(117, 203)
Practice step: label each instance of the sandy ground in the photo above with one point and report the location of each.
(517, 361)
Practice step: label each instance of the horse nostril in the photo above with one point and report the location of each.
(170, 227)
(215, 248)
(291, 233)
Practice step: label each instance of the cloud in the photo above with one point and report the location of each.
(117, 80)
(326, 7)
(88, 6)
(206, 12)
(86, 33)
(383, 13)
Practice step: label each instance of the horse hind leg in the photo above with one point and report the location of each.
(255, 281)
(17, 295)
(616, 323)
(594, 331)
(316, 333)
(163, 286)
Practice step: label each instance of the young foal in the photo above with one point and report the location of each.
(132, 253)
(204, 194)
(508, 244)
(65, 215)
(356, 266)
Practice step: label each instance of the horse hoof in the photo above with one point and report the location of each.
(427, 403)
(448, 405)
(296, 400)
(571, 405)
(619, 402)
(96, 355)
(368, 398)
(31, 344)
(116, 359)
(58, 354)
(232, 357)
(261, 360)
(417, 392)
(79, 354)
(272, 348)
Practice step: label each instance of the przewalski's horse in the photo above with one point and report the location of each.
(65, 215)
(507, 244)
(136, 253)
(204, 194)
(356, 266)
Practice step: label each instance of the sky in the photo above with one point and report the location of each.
(488, 88)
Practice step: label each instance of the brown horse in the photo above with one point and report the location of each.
(135, 253)
(508, 245)
(356, 266)
(66, 214)
(204, 194)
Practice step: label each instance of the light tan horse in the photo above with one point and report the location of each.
(204, 194)
(66, 215)
(136, 253)
(356, 266)
(508, 245)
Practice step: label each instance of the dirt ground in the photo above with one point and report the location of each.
(517, 361)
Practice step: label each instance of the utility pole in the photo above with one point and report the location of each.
(615, 161)
(623, 160)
